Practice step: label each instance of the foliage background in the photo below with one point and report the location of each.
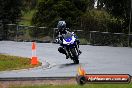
(108, 16)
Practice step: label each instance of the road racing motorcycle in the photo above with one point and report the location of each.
(70, 44)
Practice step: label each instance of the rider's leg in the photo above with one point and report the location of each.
(63, 51)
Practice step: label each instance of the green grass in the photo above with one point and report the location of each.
(26, 18)
(83, 41)
(79, 86)
(8, 62)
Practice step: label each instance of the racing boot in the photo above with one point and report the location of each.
(80, 52)
(67, 56)
(63, 51)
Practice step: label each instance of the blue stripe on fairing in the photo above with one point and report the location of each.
(68, 39)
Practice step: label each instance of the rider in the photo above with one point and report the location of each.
(63, 30)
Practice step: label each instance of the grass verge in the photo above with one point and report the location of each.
(78, 86)
(27, 18)
(83, 41)
(8, 62)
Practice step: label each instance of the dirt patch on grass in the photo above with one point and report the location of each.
(8, 84)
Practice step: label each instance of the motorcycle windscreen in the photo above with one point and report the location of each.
(67, 37)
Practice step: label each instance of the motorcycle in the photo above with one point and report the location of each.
(70, 44)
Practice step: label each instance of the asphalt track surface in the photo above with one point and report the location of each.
(94, 59)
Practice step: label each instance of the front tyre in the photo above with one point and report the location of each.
(76, 61)
(74, 56)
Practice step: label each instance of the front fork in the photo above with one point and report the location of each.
(68, 51)
(77, 48)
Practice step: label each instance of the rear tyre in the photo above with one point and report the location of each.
(75, 56)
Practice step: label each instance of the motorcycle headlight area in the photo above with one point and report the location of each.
(67, 41)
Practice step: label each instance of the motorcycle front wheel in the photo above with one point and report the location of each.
(74, 56)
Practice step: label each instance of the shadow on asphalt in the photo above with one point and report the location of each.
(68, 65)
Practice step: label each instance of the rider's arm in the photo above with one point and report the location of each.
(59, 38)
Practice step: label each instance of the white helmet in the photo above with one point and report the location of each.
(61, 25)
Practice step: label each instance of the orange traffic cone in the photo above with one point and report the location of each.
(34, 58)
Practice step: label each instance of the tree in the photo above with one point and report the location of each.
(96, 20)
(120, 9)
(29, 4)
(50, 11)
(100, 4)
(10, 12)
(84, 5)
